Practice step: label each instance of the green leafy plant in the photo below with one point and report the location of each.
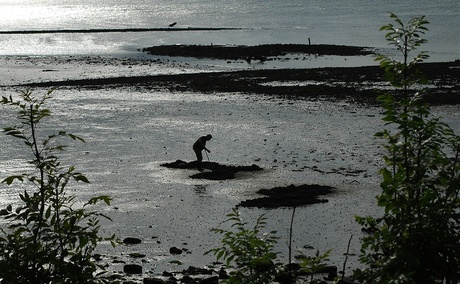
(248, 251)
(46, 239)
(417, 238)
(312, 265)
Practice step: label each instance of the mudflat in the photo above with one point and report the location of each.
(306, 130)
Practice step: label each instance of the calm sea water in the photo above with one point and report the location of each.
(351, 22)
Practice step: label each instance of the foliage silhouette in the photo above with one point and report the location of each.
(417, 238)
(46, 239)
(248, 252)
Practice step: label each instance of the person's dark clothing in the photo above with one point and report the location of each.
(200, 145)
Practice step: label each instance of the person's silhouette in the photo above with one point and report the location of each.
(199, 146)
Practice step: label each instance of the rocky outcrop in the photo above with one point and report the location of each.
(289, 196)
(212, 170)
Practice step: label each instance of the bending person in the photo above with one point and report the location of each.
(199, 146)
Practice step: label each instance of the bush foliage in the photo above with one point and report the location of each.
(46, 239)
(417, 239)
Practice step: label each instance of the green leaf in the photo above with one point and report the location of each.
(74, 137)
(14, 132)
(80, 177)
(9, 180)
(177, 262)
(48, 212)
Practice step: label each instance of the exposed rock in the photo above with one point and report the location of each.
(223, 274)
(258, 52)
(188, 280)
(217, 171)
(191, 270)
(132, 241)
(172, 280)
(153, 281)
(290, 196)
(132, 269)
(221, 174)
(175, 250)
(210, 280)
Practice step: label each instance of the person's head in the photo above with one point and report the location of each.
(208, 137)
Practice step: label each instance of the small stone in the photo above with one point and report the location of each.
(153, 281)
(191, 270)
(187, 280)
(167, 274)
(223, 274)
(132, 269)
(210, 280)
(132, 241)
(175, 250)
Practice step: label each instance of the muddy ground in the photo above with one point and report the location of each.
(110, 112)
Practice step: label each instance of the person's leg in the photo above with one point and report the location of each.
(199, 155)
(199, 158)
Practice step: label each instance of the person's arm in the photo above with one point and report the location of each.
(204, 146)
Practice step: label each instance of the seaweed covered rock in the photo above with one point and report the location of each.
(289, 196)
(219, 174)
(212, 170)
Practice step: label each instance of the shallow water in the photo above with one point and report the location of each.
(270, 21)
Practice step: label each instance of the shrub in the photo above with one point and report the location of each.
(417, 238)
(248, 251)
(46, 239)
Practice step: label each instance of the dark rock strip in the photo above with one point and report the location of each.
(258, 52)
(217, 171)
(290, 196)
(357, 84)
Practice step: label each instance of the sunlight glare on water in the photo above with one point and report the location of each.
(271, 21)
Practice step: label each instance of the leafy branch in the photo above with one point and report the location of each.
(47, 239)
